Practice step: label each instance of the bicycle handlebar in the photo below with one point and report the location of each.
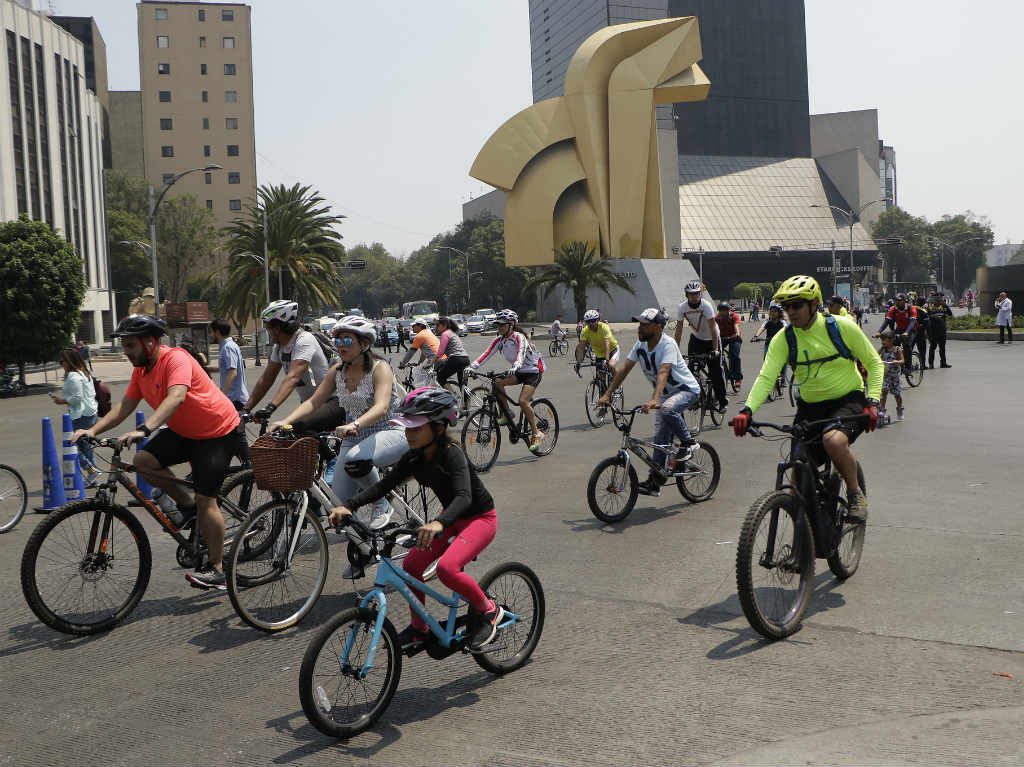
(799, 429)
(359, 534)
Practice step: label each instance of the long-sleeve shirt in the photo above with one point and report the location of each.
(517, 349)
(449, 475)
(80, 394)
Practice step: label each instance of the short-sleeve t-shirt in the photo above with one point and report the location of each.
(727, 326)
(700, 318)
(427, 342)
(230, 357)
(598, 336)
(303, 346)
(206, 412)
(666, 351)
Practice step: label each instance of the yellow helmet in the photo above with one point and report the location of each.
(797, 287)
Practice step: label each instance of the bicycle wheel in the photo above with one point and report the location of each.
(85, 567)
(775, 565)
(336, 697)
(590, 398)
(612, 490)
(713, 412)
(275, 588)
(547, 424)
(481, 438)
(244, 497)
(694, 415)
(553, 348)
(517, 589)
(700, 474)
(13, 498)
(846, 559)
(914, 372)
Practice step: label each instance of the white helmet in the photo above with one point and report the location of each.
(507, 316)
(592, 315)
(357, 326)
(282, 311)
(693, 286)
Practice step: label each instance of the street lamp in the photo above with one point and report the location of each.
(468, 273)
(852, 218)
(942, 261)
(153, 208)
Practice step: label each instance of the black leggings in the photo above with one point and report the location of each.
(451, 366)
(700, 346)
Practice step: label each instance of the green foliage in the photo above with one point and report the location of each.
(907, 259)
(186, 239)
(982, 322)
(969, 236)
(754, 290)
(42, 285)
(578, 268)
(130, 266)
(1018, 257)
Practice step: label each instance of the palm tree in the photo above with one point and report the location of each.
(302, 248)
(578, 268)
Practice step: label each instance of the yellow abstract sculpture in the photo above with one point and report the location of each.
(584, 166)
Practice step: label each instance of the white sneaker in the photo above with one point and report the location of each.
(380, 515)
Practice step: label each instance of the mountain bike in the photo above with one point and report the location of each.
(613, 487)
(13, 497)
(804, 517)
(351, 669)
(706, 405)
(559, 346)
(87, 565)
(481, 434)
(598, 416)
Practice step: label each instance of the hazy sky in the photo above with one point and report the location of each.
(383, 106)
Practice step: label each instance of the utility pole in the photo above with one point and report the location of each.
(835, 270)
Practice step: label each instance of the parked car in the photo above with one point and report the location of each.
(475, 324)
(460, 320)
(392, 330)
(489, 316)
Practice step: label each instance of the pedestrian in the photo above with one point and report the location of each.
(79, 395)
(892, 356)
(85, 352)
(231, 369)
(386, 337)
(403, 336)
(858, 314)
(938, 311)
(1004, 316)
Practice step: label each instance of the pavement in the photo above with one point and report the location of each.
(645, 657)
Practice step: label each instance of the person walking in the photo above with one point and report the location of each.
(938, 311)
(403, 336)
(79, 395)
(1004, 316)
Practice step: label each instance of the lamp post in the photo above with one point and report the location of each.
(942, 261)
(466, 256)
(852, 218)
(153, 208)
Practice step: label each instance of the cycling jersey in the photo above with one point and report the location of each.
(700, 318)
(664, 352)
(829, 376)
(770, 328)
(900, 319)
(517, 349)
(728, 326)
(596, 338)
(426, 342)
(841, 313)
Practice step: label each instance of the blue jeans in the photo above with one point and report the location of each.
(384, 448)
(735, 366)
(669, 422)
(85, 459)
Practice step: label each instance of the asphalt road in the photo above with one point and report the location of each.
(645, 658)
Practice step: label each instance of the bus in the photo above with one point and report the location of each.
(425, 309)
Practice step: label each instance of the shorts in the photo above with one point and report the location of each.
(893, 385)
(210, 458)
(529, 379)
(852, 404)
(614, 358)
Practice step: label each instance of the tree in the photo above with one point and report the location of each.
(905, 245)
(965, 238)
(130, 266)
(377, 286)
(578, 268)
(42, 284)
(186, 237)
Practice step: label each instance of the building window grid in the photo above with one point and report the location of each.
(163, 41)
(207, 178)
(227, 15)
(160, 14)
(234, 204)
(202, 41)
(231, 123)
(206, 96)
(16, 134)
(202, 69)
(202, 15)
(78, 164)
(229, 69)
(206, 123)
(227, 42)
(206, 150)
(231, 97)
(164, 96)
(232, 150)
(44, 137)
(234, 178)
(62, 139)
(32, 132)
(166, 123)
(163, 68)
(167, 150)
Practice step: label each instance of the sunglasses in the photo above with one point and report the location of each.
(792, 306)
(345, 341)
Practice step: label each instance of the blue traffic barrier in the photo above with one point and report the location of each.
(74, 485)
(144, 486)
(53, 483)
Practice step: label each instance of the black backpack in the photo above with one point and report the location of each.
(102, 397)
(326, 346)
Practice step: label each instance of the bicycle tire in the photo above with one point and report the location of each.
(553, 348)
(590, 397)
(796, 564)
(517, 588)
(481, 438)
(13, 497)
(322, 710)
(240, 489)
(547, 422)
(915, 372)
(596, 484)
(268, 591)
(715, 414)
(697, 488)
(846, 559)
(92, 576)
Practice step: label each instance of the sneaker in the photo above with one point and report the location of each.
(649, 486)
(487, 629)
(686, 452)
(944, 365)
(722, 405)
(411, 639)
(207, 578)
(535, 442)
(899, 414)
(380, 515)
(857, 513)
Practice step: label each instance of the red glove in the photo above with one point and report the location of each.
(741, 422)
(871, 411)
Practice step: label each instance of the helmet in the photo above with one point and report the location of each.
(724, 306)
(357, 326)
(592, 315)
(506, 316)
(797, 287)
(836, 300)
(426, 404)
(140, 325)
(693, 286)
(283, 311)
(901, 296)
(775, 305)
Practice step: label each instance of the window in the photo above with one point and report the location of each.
(166, 123)
(202, 69)
(163, 41)
(209, 203)
(235, 204)
(234, 178)
(206, 96)
(208, 178)
(231, 97)
(202, 15)
(231, 123)
(165, 96)
(206, 150)
(226, 15)
(163, 69)
(202, 41)
(206, 123)
(161, 14)
(229, 69)
(232, 150)
(228, 42)
(167, 151)
(168, 177)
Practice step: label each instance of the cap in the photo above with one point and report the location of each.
(651, 315)
(149, 292)
(410, 421)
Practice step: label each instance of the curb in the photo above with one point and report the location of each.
(979, 335)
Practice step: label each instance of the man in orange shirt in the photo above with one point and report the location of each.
(423, 341)
(200, 429)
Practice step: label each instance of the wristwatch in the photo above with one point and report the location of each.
(873, 403)
(355, 422)
(145, 430)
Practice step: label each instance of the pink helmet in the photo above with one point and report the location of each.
(426, 404)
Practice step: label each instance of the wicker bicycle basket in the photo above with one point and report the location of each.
(284, 465)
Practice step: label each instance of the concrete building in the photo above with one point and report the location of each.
(128, 147)
(51, 137)
(195, 64)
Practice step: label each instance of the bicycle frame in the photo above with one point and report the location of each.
(631, 444)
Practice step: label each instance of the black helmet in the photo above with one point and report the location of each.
(140, 325)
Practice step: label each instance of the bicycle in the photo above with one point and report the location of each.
(611, 498)
(351, 669)
(13, 497)
(913, 368)
(481, 434)
(706, 405)
(787, 528)
(597, 416)
(11, 385)
(559, 346)
(87, 565)
(734, 383)
(783, 381)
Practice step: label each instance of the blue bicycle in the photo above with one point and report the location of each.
(351, 668)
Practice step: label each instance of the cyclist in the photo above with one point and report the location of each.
(200, 428)
(452, 358)
(675, 389)
(527, 367)
(598, 334)
(557, 332)
(730, 329)
(771, 326)
(705, 338)
(826, 350)
(837, 307)
(296, 350)
(465, 526)
(423, 341)
(902, 317)
(366, 388)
